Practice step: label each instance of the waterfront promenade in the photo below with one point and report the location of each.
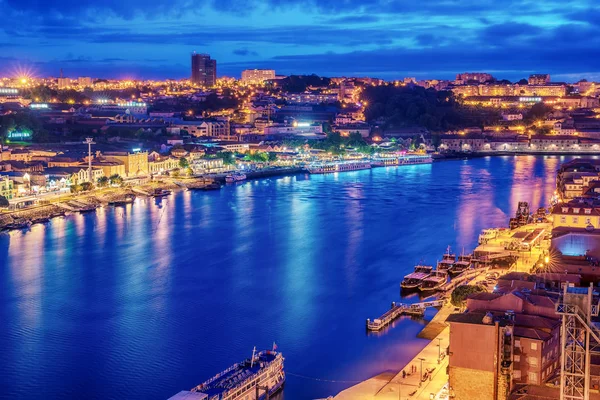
(398, 386)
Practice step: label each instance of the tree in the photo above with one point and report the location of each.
(272, 157)
(436, 140)
(460, 294)
(227, 156)
(183, 163)
(3, 202)
(175, 173)
(75, 188)
(102, 181)
(115, 180)
(86, 186)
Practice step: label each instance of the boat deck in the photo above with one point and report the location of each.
(235, 376)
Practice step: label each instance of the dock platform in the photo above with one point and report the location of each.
(398, 309)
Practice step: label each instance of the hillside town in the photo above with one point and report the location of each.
(207, 125)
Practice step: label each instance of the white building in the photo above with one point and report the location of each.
(218, 128)
(257, 76)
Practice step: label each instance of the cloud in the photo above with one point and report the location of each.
(436, 38)
(353, 19)
(244, 52)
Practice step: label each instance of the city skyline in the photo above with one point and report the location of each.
(375, 38)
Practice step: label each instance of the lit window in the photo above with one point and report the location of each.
(517, 374)
(516, 358)
(533, 361)
(517, 343)
(532, 377)
(533, 346)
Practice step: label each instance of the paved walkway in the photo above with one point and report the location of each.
(388, 386)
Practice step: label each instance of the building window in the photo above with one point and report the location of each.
(532, 377)
(516, 374)
(533, 361)
(574, 220)
(533, 346)
(517, 343)
(516, 358)
(563, 220)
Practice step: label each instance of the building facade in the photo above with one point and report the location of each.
(204, 70)
(257, 76)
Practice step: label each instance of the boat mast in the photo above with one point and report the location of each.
(253, 355)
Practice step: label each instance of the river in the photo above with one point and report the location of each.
(144, 301)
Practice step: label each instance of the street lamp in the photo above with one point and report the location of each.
(89, 141)
(421, 376)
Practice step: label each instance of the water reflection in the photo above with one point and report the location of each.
(129, 299)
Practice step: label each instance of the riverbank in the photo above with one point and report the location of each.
(481, 154)
(430, 363)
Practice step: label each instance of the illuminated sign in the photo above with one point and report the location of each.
(8, 91)
(39, 106)
(530, 99)
(136, 150)
(16, 135)
(302, 124)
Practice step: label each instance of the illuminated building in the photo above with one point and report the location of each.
(257, 76)
(480, 77)
(492, 349)
(204, 70)
(512, 116)
(583, 214)
(63, 83)
(84, 81)
(214, 127)
(136, 162)
(7, 187)
(538, 79)
(556, 89)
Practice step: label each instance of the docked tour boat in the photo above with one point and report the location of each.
(414, 279)
(258, 377)
(161, 193)
(447, 262)
(487, 235)
(463, 263)
(235, 177)
(338, 166)
(433, 282)
(407, 159)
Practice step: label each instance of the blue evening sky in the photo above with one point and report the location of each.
(380, 38)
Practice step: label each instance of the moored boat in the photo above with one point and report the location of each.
(258, 377)
(448, 260)
(463, 263)
(414, 279)
(433, 282)
(235, 177)
(160, 193)
(338, 166)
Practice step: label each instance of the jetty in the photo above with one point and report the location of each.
(398, 309)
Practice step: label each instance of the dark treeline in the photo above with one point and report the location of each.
(299, 83)
(409, 106)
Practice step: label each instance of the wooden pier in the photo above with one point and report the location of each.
(398, 309)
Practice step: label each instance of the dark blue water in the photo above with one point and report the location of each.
(144, 301)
